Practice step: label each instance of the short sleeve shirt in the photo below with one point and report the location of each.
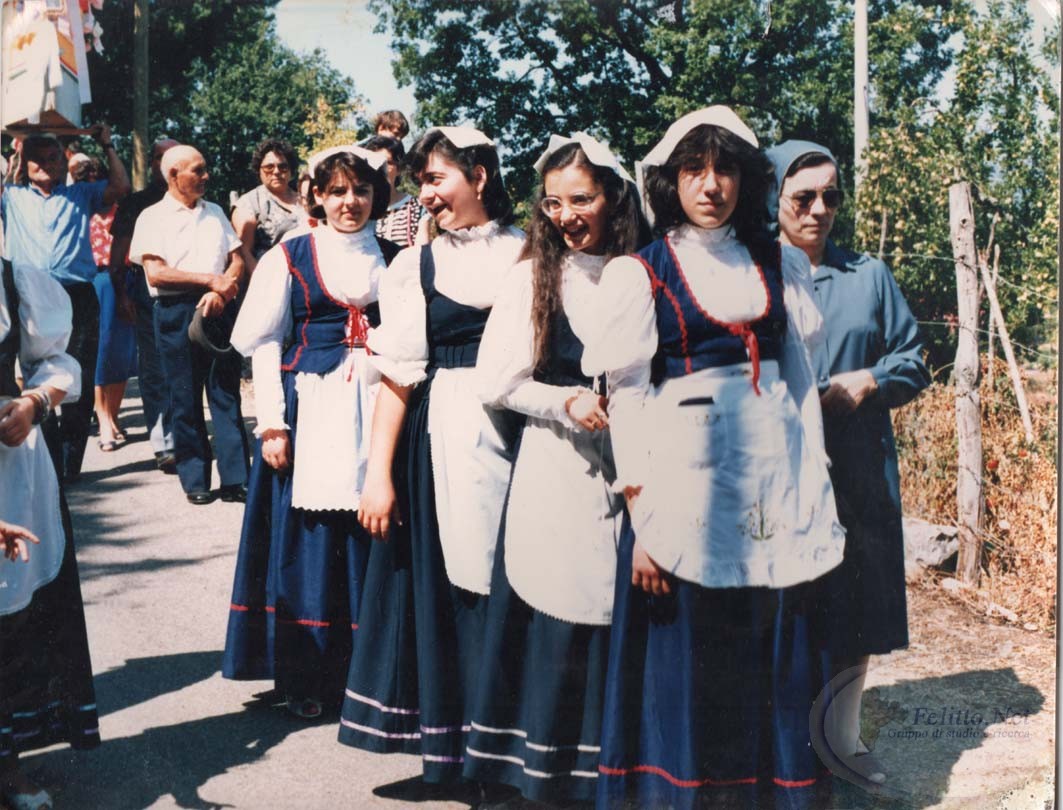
(52, 233)
(197, 239)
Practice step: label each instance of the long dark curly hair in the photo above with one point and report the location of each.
(626, 231)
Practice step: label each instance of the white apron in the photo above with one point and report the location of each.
(563, 523)
(29, 497)
(736, 494)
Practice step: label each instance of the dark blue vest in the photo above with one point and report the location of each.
(564, 356)
(453, 330)
(689, 339)
(323, 328)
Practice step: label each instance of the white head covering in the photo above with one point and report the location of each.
(79, 157)
(374, 159)
(717, 115)
(596, 151)
(465, 136)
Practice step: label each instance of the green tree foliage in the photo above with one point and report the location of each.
(623, 70)
(220, 80)
(522, 69)
(999, 131)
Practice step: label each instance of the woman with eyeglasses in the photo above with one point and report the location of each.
(715, 657)
(870, 361)
(536, 716)
(270, 210)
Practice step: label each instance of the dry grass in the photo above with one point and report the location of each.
(1019, 523)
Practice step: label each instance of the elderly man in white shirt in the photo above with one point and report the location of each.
(191, 257)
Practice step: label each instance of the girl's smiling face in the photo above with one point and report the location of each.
(578, 207)
(453, 200)
(347, 201)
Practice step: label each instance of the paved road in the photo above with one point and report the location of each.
(156, 574)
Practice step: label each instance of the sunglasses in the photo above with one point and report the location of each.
(832, 198)
(270, 168)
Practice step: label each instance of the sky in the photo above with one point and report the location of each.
(343, 29)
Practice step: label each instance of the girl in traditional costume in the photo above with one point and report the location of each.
(303, 554)
(537, 714)
(715, 654)
(418, 650)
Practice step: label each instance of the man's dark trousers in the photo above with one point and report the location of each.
(189, 370)
(67, 444)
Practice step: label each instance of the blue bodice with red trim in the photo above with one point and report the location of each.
(324, 329)
(689, 339)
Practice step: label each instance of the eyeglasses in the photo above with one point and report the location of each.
(832, 198)
(270, 168)
(580, 203)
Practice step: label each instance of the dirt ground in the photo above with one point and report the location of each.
(965, 717)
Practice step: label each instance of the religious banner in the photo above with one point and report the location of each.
(45, 70)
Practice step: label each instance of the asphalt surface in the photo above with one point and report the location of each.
(156, 576)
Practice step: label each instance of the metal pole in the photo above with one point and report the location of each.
(860, 114)
(141, 174)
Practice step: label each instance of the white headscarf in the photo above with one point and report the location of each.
(596, 152)
(375, 160)
(464, 136)
(716, 115)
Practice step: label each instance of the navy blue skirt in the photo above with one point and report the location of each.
(298, 586)
(46, 690)
(708, 697)
(417, 654)
(537, 712)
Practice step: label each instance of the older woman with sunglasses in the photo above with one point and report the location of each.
(870, 361)
(267, 212)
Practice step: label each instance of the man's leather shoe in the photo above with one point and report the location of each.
(167, 462)
(199, 498)
(234, 493)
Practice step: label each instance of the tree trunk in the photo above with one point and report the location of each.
(969, 497)
(141, 159)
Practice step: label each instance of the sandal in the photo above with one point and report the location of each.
(306, 708)
(107, 446)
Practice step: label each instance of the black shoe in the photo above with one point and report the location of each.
(200, 498)
(167, 462)
(233, 493)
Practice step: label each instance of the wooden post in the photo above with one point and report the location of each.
(141, 159)
(991, 350)
(969, 497)
(882, 235)
(1009, 353)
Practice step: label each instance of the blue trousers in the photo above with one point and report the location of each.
(190, 371)
(154, 392)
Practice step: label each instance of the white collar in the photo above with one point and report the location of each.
(708, 238)
(399, 203)
(359, 238)
(176, 205)
(475, 233)
(584, 263)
